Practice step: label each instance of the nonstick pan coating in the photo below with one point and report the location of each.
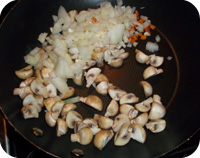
(178, 25)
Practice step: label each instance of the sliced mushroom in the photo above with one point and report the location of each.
(72, 117)
(137, 132)
(98, 57)
(30, 99)
(157, 98)
(22, 92)
(103, 122)
(102, 138)
(124, 55)
(157, 111)
(144, 106)
(148, 89)
(79, 125)
(25, 72)
(91, 76)
(112, 108)
(29, 111)
(78, 79)
(66, 108)
(26, 82)
(122, 137)
(61, 127)
(141, 57)
(40, 100)
(45, 72)
(68, 93)
(100, 78)
(151, 71)
(57, 107)
(49, 102)
(102, 88)
(128, 110)
(39, 88)
(119, 121)
(92, 123)
(116, 62)
(51, 90)
(156, 61)
(93, 101)
(156, 126)
(50, 119)
(142, 119)
(116, 93)
(128, 98)
(84, 136)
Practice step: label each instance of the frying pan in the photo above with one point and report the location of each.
(178, 25)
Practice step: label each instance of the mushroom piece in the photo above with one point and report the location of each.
(124, 55)
(103, 122)
(142, 119)
(72, 117)
(98, 57)
(92, 124)
(128, 110)
(122, 137)
(144, 106)
(26, 82)
(156, 61)
(29, 111)
(151, 71)
(68, 93)
(50, 118)
(112, 108)
(102, 88)
(78, 79)
(22, 92)
(91, 76)
(102, 138)
(141, 57)
(25, 72)
(116, 93)
(137, 133)
(93, 101)
(30, 99)
(100, 78)
(61, 127)
(79, 125)
(39, 88)
(157, 111)
(148, 89)
(49, 102)
(57, 108)
(116, 62)
(40, 100)
(66, 108)
(84, 136)
(156, 126)
(157, 98)
(51, 90)
(119, 121)
(128, 98)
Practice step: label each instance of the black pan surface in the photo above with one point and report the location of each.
(177, 24)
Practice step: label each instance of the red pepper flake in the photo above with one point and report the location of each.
(94, 19)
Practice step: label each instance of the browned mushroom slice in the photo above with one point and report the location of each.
(92, 124)
(50, 118)
(72, 117)
(112, 108)
(141, 57)
(103, 122)
(119, 121)
(102, 138)
(61, 127)
(93, 101)
(148, 89)
(151, 71)
(22, 92)
(100, 78)
(145, 105)
(29, 111)
(98, 57)
(122, 136)
(156, 126)
(138, 133)
(157, 111)
(142, 119)
(67, 107)
(128, 98)
(91, 76)
(25, 72)
(30, 99)
(116, 93)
